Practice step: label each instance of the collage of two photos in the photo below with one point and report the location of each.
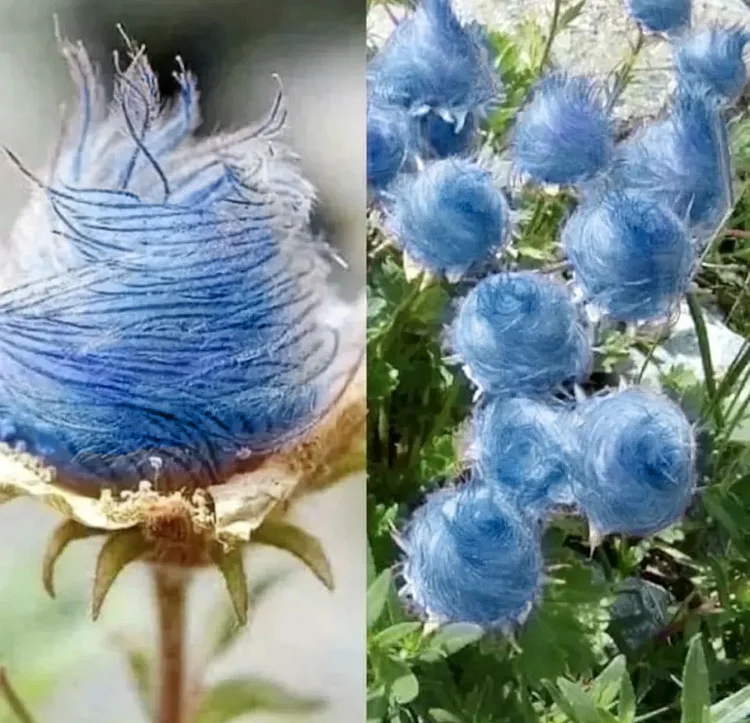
(380, 363)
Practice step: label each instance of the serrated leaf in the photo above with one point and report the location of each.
(695, 686)
(299, 543)
(64, 534)
(377, 596)
(236, 697)
(395, 633)
(232, 567)
(582, 706)
(118, 551)
(734, 708)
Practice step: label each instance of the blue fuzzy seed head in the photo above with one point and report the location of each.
(713, 57)
(527, 449)
(162, 312)
(442, 138)
(631, 255)
(638, 462)
(564, 136)
(432, 62)
(519, 333)
(388, 143)
(666, 17)
(448, 217)
(472, 557)
(683, 160)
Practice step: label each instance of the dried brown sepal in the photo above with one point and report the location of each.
(232, 567)
(119, 550)
(69, 531)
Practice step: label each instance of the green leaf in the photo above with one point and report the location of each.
(299, 543)
(236, 697)
(439, 715)
(734, 708)
(570, 14)
(405, 688)
(583, 707)
(607, 684)
(395, 634)
(626, 704)
(695, 686)
(141, 671)
(451, 638)
(377, 596)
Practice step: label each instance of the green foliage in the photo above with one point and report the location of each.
(579, 657)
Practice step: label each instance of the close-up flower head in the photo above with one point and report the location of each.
(668, 17)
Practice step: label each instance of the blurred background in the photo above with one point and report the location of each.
(303, 644)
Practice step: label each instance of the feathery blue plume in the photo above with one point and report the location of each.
(432, 62)
(637, 463)
(527, 449)
(564, 135)
(661, 16)
(163, 319)
(683, 160)
(519, 333)
(449, 216)
(713, 57)
(631, 255)
(472, 557)
(442, 138)
(388, 143)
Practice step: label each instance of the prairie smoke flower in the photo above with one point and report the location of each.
(470, 556)
(667, 17)
(564, 135)
(638, 463)
(448, 217)
(631, 255)
(519, 333)
(527, 449)
(433, 64)
(167, 364)
(713, 57)
(389, 142)
(683, 160)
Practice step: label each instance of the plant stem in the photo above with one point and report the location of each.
(15, 704)
(551, 36)
(171, 585)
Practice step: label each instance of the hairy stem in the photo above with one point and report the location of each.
(19, 710)
(171, 585)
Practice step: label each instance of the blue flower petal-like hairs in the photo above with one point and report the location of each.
(471, 556)
(632, 256)
(564, 135)
(431, 62)
(449, 217)
(666, 17)
(683, 160)
(713, 57)
(519, 333)
(527, 449)
(389, 143)
(162, 316)
(638, 463)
